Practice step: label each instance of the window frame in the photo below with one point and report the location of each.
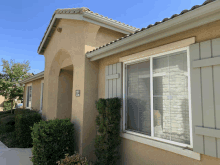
(41, 96)
(151, 94)
(27, 95)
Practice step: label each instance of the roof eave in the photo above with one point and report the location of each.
(32, 78)
(198, 17)
(96, 19)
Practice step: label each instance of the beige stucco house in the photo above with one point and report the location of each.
(2, 99)
(166, 74)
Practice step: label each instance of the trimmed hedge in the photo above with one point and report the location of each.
(23, 122)
(7, 123)
(4, 119)
(51, 141)
(22, 111)
(7, 112)
(108, 139)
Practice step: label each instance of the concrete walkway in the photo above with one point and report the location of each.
(14, 156)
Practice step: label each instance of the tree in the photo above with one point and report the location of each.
(12, 74)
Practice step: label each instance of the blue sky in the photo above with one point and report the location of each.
(23, 22)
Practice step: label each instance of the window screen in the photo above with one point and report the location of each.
(138, 97)
(170, 97)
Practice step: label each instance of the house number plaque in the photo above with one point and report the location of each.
(77, 93)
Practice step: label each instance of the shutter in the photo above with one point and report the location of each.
(113, 83)
(205, 96)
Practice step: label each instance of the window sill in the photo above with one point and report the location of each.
(161, 145)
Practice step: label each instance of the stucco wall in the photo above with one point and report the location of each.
(65, 94)
(2, 99)
(106, 35)
(76, 38)
(36, 92)
(136, 153)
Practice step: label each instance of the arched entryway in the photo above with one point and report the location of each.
(60, 85)
(65, 88)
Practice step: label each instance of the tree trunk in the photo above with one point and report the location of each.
(11, 106)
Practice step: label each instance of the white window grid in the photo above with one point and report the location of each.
(151, 91)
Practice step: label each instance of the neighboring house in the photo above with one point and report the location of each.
(2, 99)
(167, 75)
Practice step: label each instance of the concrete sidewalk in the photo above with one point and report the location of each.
(15, 156)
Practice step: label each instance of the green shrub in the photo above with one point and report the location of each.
(9, 139)
(4, 115)
(7, 106)
(51, 140)
(10, 126)
(7, 118)
(108, 139)
(23, 122)
(6, 112)
(21, 111)
(74, 159)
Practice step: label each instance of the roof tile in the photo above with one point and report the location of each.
(76, 11)
(156, 23)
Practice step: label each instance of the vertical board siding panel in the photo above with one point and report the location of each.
(110, 88)
(216, 77)
(119, 80)
(114, 81)
(207, 98)
(196, 99)
(106, 83)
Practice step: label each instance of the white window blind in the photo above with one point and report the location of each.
(170, 98)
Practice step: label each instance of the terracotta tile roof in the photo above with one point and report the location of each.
(152, 25)
(79, 11)
(84, 9)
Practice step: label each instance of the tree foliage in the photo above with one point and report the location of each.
(12, 74)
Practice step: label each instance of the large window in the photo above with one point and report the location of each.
(157, 98)
(29, 96)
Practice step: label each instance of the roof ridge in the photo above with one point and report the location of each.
(87, 10)
(80, 10)
(152, 25)
(91, 12)
(72, 10)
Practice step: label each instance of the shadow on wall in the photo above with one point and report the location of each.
(65, 87)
